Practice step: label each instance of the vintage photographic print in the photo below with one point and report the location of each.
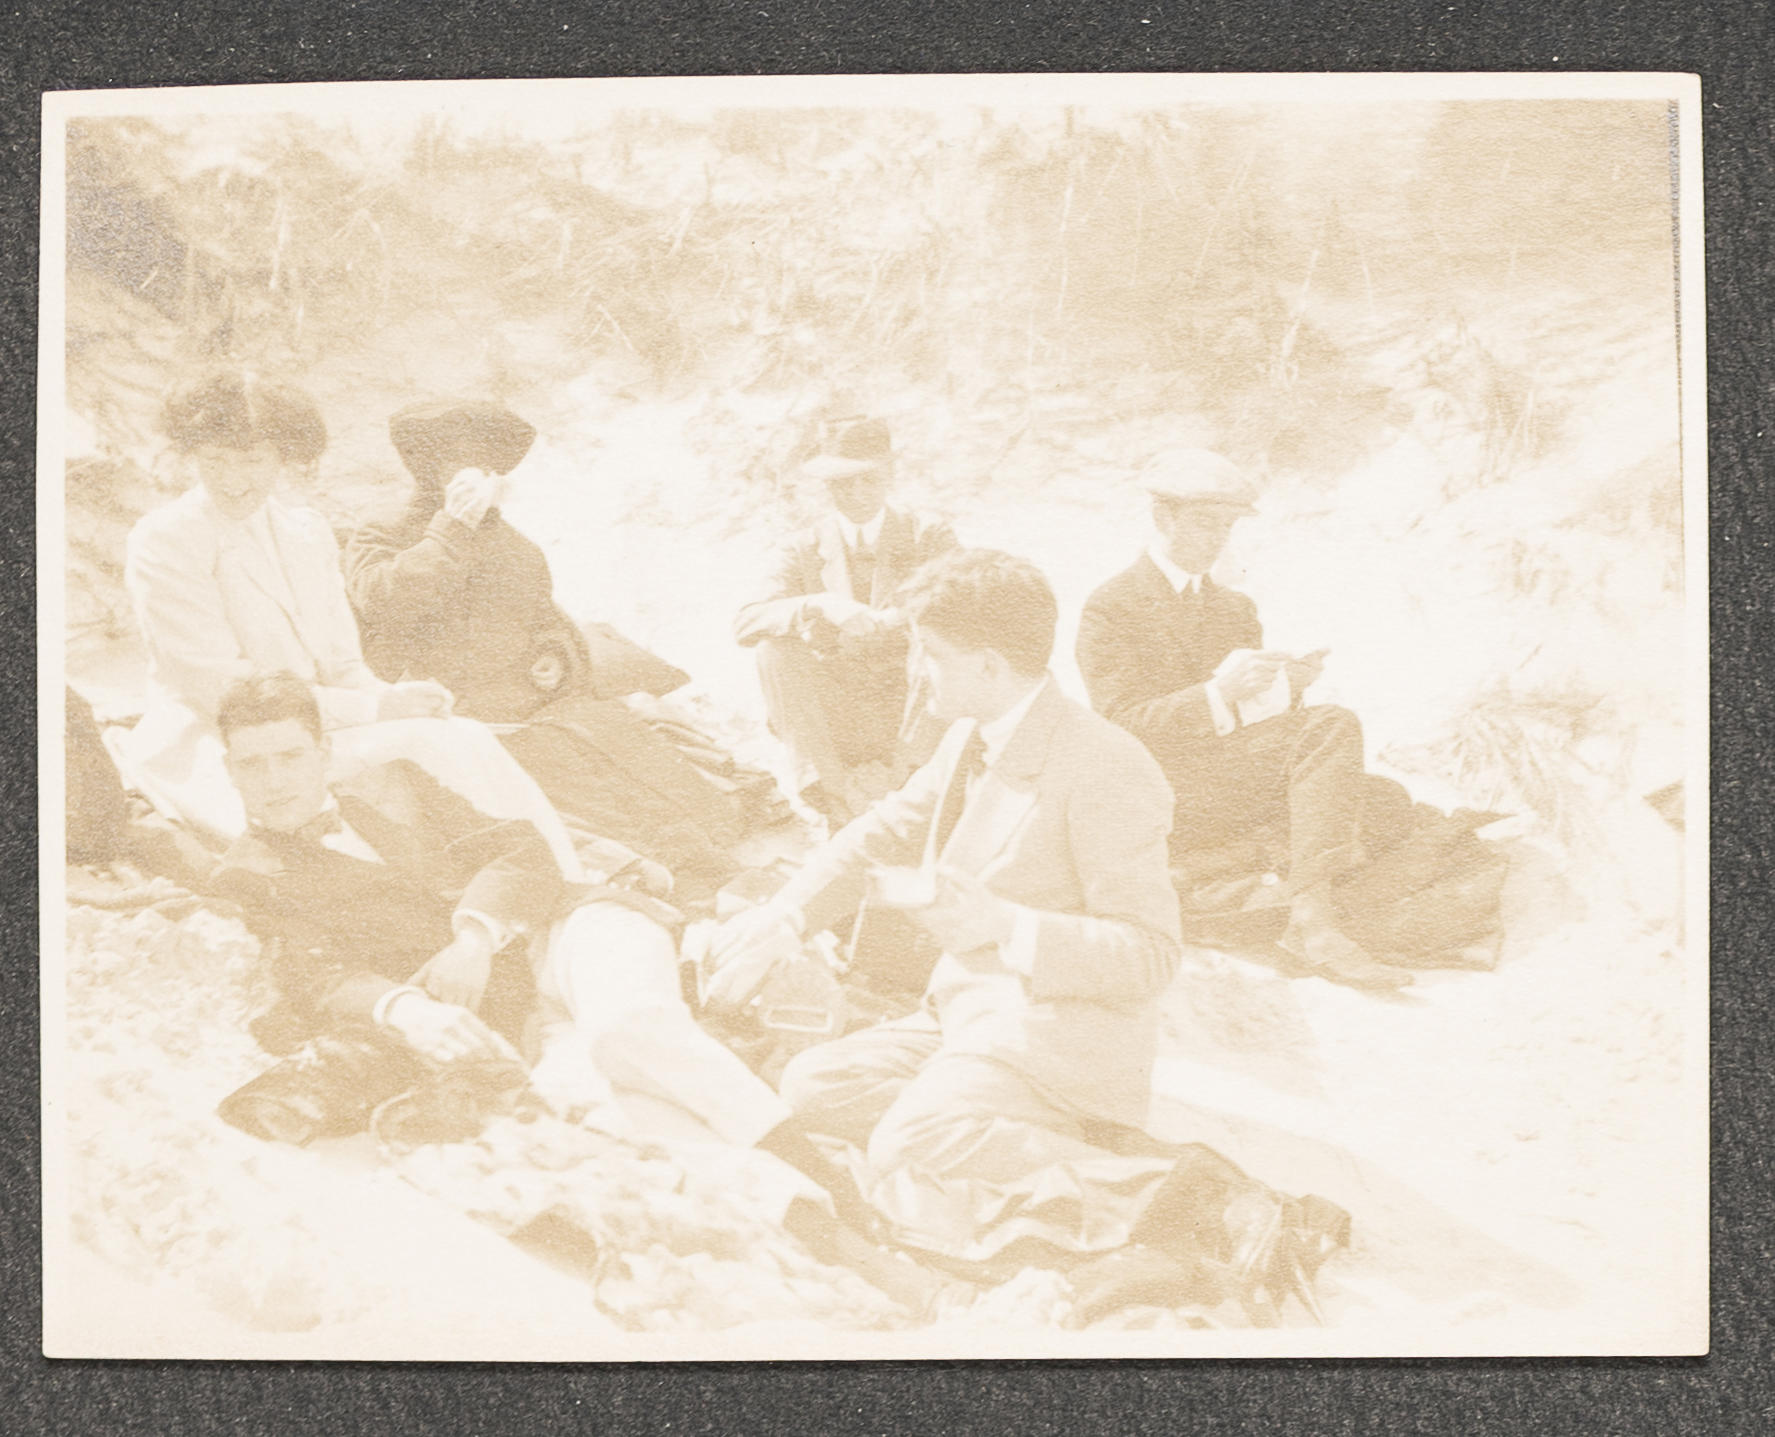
(874, 717)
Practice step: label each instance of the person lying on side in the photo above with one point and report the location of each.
(394, 903)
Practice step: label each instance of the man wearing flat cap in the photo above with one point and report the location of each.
(831, 654)
(1179, 662)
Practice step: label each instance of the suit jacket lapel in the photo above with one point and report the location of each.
(893, 556)
(1005, 796)
(1180, 614)
(835, 569)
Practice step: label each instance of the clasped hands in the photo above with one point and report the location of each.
(1252, 673)
(839, 618)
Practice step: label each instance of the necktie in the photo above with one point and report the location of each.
(971, 765)
(861, 564)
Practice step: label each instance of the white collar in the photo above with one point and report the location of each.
(861, 536)
(996, 735)
(1176, 577)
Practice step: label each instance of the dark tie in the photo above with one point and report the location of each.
(971, 765)
(861, 564)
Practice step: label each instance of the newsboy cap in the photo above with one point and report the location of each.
(1198, 476)
(850, 446)
(436, 440)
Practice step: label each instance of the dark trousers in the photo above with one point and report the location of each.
(1303, 768)
(832, 711)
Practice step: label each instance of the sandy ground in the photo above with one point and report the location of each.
(1521, 1149)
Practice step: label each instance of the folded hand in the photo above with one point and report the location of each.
(744, 951)
(445, 1032)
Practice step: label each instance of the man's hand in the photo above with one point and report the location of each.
(966, 914)
(458, 972)
(469, 495)
(414, 698)
(744, 951)
(848, 618)
(442, 1031)
(1248, 675)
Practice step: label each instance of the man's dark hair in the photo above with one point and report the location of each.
(984, 599)
(228, 408)
(268, 698)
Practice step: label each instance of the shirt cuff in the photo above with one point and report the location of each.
(1018, 954)
(500, 933)
(1225, 720)
(379, 1013)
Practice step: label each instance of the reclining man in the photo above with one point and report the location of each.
(1179, 663)
(395, 905)
(831, 658)
(1001, 1121)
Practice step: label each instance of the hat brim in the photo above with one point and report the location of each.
(837, 466)
(1203, 501)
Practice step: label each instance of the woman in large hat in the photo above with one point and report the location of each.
(451, 592)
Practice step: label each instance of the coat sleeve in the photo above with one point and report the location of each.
(780, 615)
(1125, 947)
(348, 691)
(893, 832)
(396, 587)
(505, 867)
(1115, 659)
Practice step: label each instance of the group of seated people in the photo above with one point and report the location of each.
(455, 835)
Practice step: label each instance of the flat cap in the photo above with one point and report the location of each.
(850, 446)
(1198, 476)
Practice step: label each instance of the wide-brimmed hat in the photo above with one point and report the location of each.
(850, 446)
(1198, 476)
(438, 439)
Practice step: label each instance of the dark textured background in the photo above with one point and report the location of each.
(1732, 47)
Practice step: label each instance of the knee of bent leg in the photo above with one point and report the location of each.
(921, 1133)
(814, 1079)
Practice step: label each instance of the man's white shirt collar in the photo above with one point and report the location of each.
(1176, 577)
(997, 734)
(861, 536)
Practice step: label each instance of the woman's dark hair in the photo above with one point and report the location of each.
(267, 698)
(984, 599)
(227, 408)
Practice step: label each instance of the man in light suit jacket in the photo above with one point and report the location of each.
(1032, 848)
(831, 655)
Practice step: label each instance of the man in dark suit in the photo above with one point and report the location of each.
(391, 901)
(1031, 848)
(1179, 662)
(831, 654)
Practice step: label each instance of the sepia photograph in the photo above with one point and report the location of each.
(874, 717)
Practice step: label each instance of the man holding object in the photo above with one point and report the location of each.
(1179, 662)
(1002, 1119)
